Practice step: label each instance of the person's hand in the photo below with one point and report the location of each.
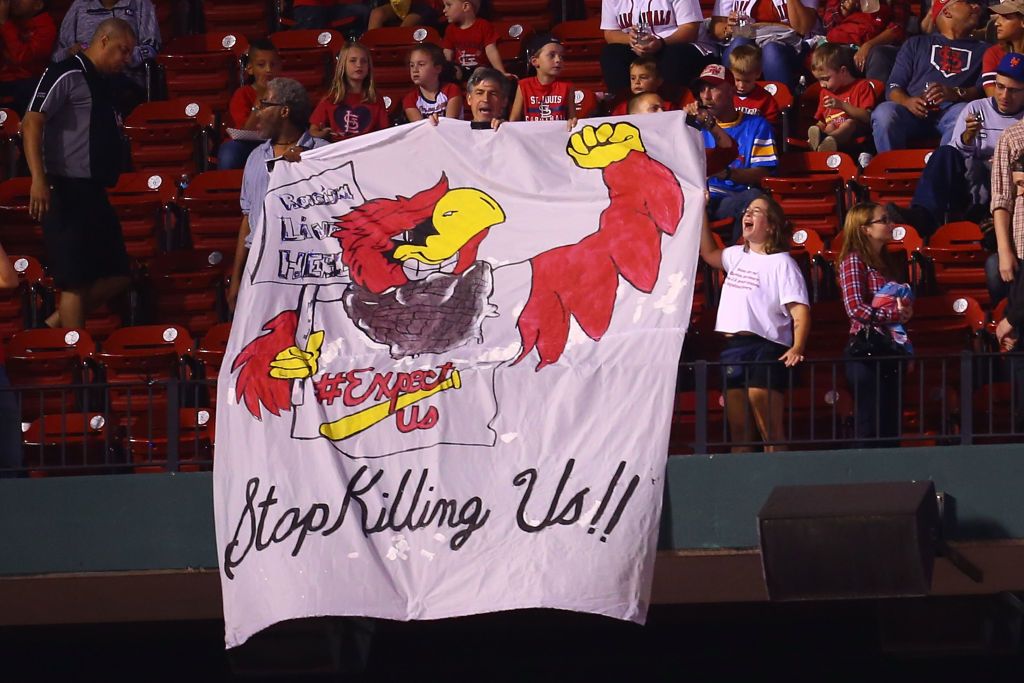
(1007, 265)
(496, 122)
(905, 309)
(792, 356)
(916, 106)
(971, 129)
(937, 94)
(833, 103)
(434, 119)
(860, 57)
(1006, 335)
(571, 123)
(326, 134)
(691, 108)
(38, 198)
(704, 117)
(293, 154)
(232, 293)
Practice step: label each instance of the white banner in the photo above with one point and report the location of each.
(451, 372)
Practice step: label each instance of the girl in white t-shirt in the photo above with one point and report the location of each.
(765, 317)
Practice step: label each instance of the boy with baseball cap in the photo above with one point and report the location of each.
(544, 97)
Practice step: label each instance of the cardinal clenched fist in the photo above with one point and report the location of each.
(599, 147)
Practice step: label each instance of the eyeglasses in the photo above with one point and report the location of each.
(754, 211)
(887, 221)
(264, 104)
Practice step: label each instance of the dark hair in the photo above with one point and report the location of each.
(262, 45)
(634, 101)
(833, 56)
(486, 73)
(436, 55)
(781, 229)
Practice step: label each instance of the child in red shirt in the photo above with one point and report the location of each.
(27, 37)
(845, 103)
(545, 97)
(263, 64)
(468, 38)
(432, 94)
(644, 78)
(352, 107)
(750, 97)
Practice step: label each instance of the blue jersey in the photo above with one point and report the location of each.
(933, 58)
(755, 148)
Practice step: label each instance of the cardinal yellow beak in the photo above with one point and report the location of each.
(458, 216)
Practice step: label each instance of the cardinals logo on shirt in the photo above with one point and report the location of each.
(950, 61)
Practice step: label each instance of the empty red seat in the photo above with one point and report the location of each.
(171, 136)
(19, 232)
(893, 176)
(955, 261)
(136, 361)
(583, 41)
(251, 18)
(188, 288)
(149, 439)
(309, 57)
(389, 48)
(144, 205)
(46, 364)
(213, 214)
(204, 67)
(19, 306)
(71, 444)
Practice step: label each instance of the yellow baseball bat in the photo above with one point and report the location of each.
(347, 426)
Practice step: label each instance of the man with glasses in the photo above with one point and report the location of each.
(282, 118)
(935, 75)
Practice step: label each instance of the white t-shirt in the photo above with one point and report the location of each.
(662, 17)
(756, 290)
(746, 7)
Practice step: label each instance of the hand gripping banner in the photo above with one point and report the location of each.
(450, 376)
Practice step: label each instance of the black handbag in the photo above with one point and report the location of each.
(871, 342)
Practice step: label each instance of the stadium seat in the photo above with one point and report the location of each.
(10, 136)
(893, 176)
(71, 444)
(251, 18)
(903, 247)
(144, 205)
(204, 67)
(19, 233)
(170, 137)
(954, 262)
(188, 289)
(683, 434)
(309, 57)
(811, 189)
(211, 349)
(583, 41)
(533, 13)
(212, 212)
(389, 48)
(134, 360)
(51, 360)
(513, 37)
(148, 439)
(783, 97)
(586, 103)
(19, 307)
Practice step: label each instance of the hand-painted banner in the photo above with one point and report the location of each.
(450, 376)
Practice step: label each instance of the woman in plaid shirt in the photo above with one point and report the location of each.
(865, 267)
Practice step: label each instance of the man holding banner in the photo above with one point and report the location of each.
(462, 371)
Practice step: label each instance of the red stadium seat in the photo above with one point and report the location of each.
(51, 359)
(533, 13)
(586, 103)
(513, 36)
(20, 306)
(893, 176)
(583, 41)
(71, 444)
(134, 359)
(213, 213)
(212, 347)
(811, 188)
(171, 136)
(19, 233)
(682, 437)
(187, 288)
(10, 136)
(309, 57)
(148, 439)
(389, 48)
(143, 203)
(955, 261)
(204, 67)
(251, 18)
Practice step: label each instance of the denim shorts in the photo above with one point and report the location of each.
(752, 361)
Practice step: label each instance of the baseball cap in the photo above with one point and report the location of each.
(538, 42)
(1012, 66)
(1009, 7)
(716, 74)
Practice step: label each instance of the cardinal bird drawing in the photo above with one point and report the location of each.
(419, 289)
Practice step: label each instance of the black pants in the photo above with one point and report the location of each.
(678, 66)
(876, 386)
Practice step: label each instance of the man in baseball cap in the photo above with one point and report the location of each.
(740, 183)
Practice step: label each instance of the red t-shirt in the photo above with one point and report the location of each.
(25, 46)
(859, 93)
(551, 102)
(351, 117)
(860, 27)
(468, 44)
(414, 99)
(990, 62)
(242, 102)
(759, 102)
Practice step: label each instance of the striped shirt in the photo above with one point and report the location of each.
(1004, 194)
(755, 146)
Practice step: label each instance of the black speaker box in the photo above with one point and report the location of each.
(829, 542)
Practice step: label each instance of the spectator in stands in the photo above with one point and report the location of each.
(844, 103)
(942, 69)
(866, 270)
(780, 27)
(282, 118)
(717, 158)
(765, 316)
(876, 27)
(487, 97)
(1009, 25)
(352, 107)
(71, 143)
(644, 78)
(545, 97)
(10, 426)
(1007, 212)
(263, 64)
(415, 13)
(469, 38)
(957, 175)
(751, 97)
(433, 94)
(324, 13)
(27, 36)
(80, 24)
(735, 187)
(667, 30)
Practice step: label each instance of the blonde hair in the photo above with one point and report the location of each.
(746, 59)
(339, 88)
(855, 240)
(833, 56)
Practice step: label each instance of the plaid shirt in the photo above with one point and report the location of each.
(854, 274)
(1004, 192)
